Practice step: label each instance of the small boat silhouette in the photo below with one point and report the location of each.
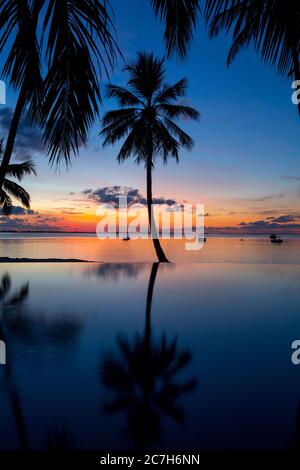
(275, 239)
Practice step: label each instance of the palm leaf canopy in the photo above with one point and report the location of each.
(19, 170)
(22, 64)
(271, 26)
(147, 109)
(57, 49)
(180, 18)
(12, 189)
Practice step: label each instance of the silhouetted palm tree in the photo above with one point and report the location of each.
(51, 53)
(11, 188)
(143, 378)
(145, 120)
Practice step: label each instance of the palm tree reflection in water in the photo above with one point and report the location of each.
(17, 324)
(6, 301)
(144, 379)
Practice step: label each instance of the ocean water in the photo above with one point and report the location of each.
(133, 355)
(89, 247)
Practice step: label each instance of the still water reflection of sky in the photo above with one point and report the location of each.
(132, 355)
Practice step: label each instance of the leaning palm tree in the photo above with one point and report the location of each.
(51, 52)
(11, 189)
(148, 107)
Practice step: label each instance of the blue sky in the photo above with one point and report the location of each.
(246, 155)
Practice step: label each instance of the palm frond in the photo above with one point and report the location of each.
(271, 26)
(116, 129)
(19, 170)
(171, 93)
(19, 193)
(128, 148)
(80, 43)
(119, 115)
(180, 18)
(124, 97)
(22, 67)
(5, 202)
(164, 143)
(184, 139)
(134, 144)
(146, 74)
(178, 110)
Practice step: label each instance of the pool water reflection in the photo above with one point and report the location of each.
(126, 356)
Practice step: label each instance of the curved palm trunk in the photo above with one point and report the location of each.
(12, 136)
(158, 249)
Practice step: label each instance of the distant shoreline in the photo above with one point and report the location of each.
(207, 234)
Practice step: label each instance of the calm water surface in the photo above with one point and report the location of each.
(192, 355)
(90, 248)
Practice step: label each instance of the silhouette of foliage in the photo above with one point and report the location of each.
(143, 378)
(145, 121)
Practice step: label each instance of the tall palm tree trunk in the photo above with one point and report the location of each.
(12, 135)
(158, 249)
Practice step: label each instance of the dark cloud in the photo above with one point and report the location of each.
(111, 194)
(266, 225)
(31, 221)
(283, 219)
(87, 191)
(28, 141)
(18, 210)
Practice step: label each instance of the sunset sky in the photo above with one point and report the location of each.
(245, 164)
